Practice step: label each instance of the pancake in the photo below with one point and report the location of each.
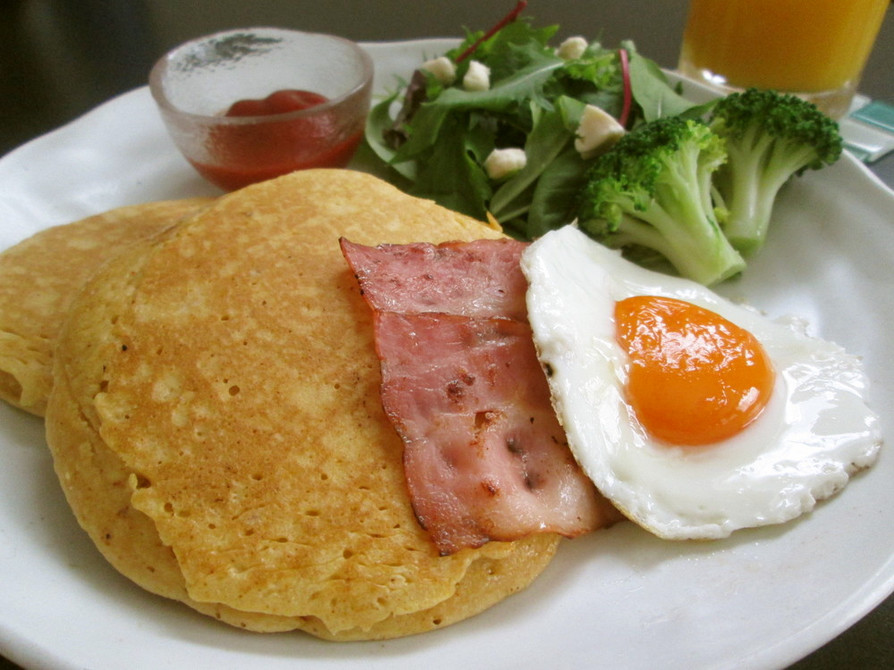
(217, 428)
(39, 277)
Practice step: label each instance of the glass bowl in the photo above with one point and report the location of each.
(196, 85)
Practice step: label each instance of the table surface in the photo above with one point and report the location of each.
(61, 58)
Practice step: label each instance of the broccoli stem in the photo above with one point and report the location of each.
(700, 253)
(756, 170)
(683, 227)
(770, 138)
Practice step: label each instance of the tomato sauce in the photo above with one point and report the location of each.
(246, 154)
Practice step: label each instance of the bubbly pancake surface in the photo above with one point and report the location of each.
(227, 371)
(40, 276)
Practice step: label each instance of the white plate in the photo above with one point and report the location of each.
(618, 598)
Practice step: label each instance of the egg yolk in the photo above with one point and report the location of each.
(695, 377)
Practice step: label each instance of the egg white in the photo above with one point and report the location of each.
(815, 433)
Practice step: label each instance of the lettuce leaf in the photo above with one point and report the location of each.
(534, 101)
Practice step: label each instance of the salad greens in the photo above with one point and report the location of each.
(436, 144)
(607, 141)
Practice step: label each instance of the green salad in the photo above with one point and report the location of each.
(510, 127)
(438, 141)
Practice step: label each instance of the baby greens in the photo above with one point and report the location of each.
(435, 137)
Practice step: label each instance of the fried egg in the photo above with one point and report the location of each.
(694, 415)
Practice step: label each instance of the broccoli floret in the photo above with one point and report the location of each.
(653, 189)
(770, 137)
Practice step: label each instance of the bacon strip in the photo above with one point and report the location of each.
(484, 455)
(480, 278)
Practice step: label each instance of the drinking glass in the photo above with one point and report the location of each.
(813, 48)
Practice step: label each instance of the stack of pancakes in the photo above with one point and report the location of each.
(40, 276)
(214, 414)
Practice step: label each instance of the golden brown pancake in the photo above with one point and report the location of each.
(40, 276)
(217, 428)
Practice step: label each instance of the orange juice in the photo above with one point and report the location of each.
(799, 46)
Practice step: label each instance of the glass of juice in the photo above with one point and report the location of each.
(813, 48)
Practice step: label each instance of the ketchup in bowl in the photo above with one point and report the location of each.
(250, 104)
(278, 102)
(253, 151)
